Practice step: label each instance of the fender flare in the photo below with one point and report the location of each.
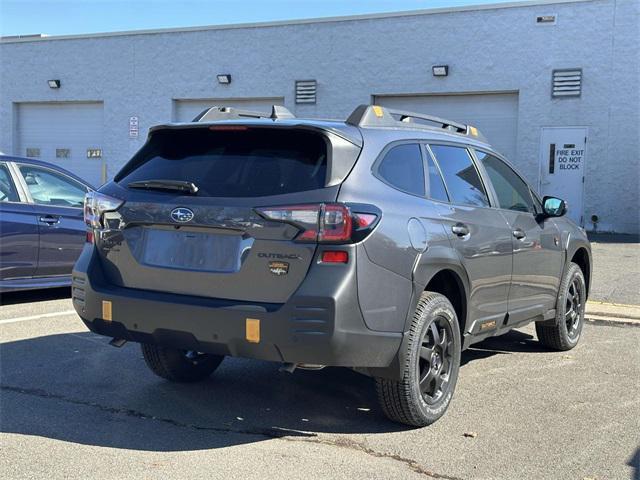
(426, 267)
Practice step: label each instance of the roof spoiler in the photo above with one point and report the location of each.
(215, 113)
(376, 116)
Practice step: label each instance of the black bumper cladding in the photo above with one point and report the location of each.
(320, 324)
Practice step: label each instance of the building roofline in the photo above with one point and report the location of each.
(281, 23)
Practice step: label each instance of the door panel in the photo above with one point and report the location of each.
(62, 237)
(562, 158)
(537, 266)
(481, 236)
(537, 254)
(18, 231)
(18, 240)
(486, 254)
(57, 204)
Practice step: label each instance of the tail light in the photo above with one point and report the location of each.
(323, 222)
(95, 204)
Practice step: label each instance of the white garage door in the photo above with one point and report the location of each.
(65, 134)
(186, 110)
(494, 114)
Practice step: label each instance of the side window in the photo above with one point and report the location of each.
(402, 167)
(437, 190)
(513, 193)
(460, 175)
(51, 188)
(8, 191)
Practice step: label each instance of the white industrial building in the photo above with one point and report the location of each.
(554, 85)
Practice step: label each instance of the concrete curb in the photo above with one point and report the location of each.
(603, 312)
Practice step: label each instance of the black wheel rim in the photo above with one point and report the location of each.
(435, 360)
(573, 308)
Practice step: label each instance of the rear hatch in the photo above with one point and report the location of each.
(193, 219)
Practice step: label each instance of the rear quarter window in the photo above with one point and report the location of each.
(245, 162)
(402, 168)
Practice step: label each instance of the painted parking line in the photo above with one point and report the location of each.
(37, 317)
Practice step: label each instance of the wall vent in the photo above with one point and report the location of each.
(567, 82)
(306, 91)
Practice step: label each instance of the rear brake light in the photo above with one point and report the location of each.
(95, 204)
(323, 222)
(89, 237)
(331, 256)
(228, 128)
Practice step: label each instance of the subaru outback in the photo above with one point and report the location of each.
(386, 243)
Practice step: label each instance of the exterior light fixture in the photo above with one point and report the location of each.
(54, 83)
(224, 78)
(440, 70)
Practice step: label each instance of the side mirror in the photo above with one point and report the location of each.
(554, 207)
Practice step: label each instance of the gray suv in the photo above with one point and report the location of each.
(387, 243)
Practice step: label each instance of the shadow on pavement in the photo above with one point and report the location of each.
(30, 296)
(74, 387)
(514, 341)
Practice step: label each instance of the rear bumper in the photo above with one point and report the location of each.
(320, 324)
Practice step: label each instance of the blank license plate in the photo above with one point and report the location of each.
(191, 250)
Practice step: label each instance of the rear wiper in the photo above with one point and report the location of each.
(167, 185)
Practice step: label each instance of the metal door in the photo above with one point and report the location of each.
(562, 159)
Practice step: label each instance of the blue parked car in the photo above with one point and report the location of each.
(42, 230)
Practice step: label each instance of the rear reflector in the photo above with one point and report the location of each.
(89, 237)
(331, 256)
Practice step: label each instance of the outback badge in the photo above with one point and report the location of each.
(279, 268)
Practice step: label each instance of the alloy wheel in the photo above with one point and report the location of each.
(573, 308)
(435, 360)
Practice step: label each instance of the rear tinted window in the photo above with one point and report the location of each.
(233, 163)
(460, 175)
(402, 167)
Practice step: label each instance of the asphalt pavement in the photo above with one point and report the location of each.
(71, 406)
(616, 269)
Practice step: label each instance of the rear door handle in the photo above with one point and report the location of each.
(460, 229)
(519, 233)
(50, 219)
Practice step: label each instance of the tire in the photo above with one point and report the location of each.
(408, 400)
(179, 365)
(564, 332)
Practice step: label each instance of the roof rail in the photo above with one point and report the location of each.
(376, 116)
(215, 113)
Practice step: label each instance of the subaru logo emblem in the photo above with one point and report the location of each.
(181, 215)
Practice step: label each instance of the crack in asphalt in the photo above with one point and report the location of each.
(265, 432)
(353, 445)
(272, 433)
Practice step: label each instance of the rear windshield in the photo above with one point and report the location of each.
(233, 163)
